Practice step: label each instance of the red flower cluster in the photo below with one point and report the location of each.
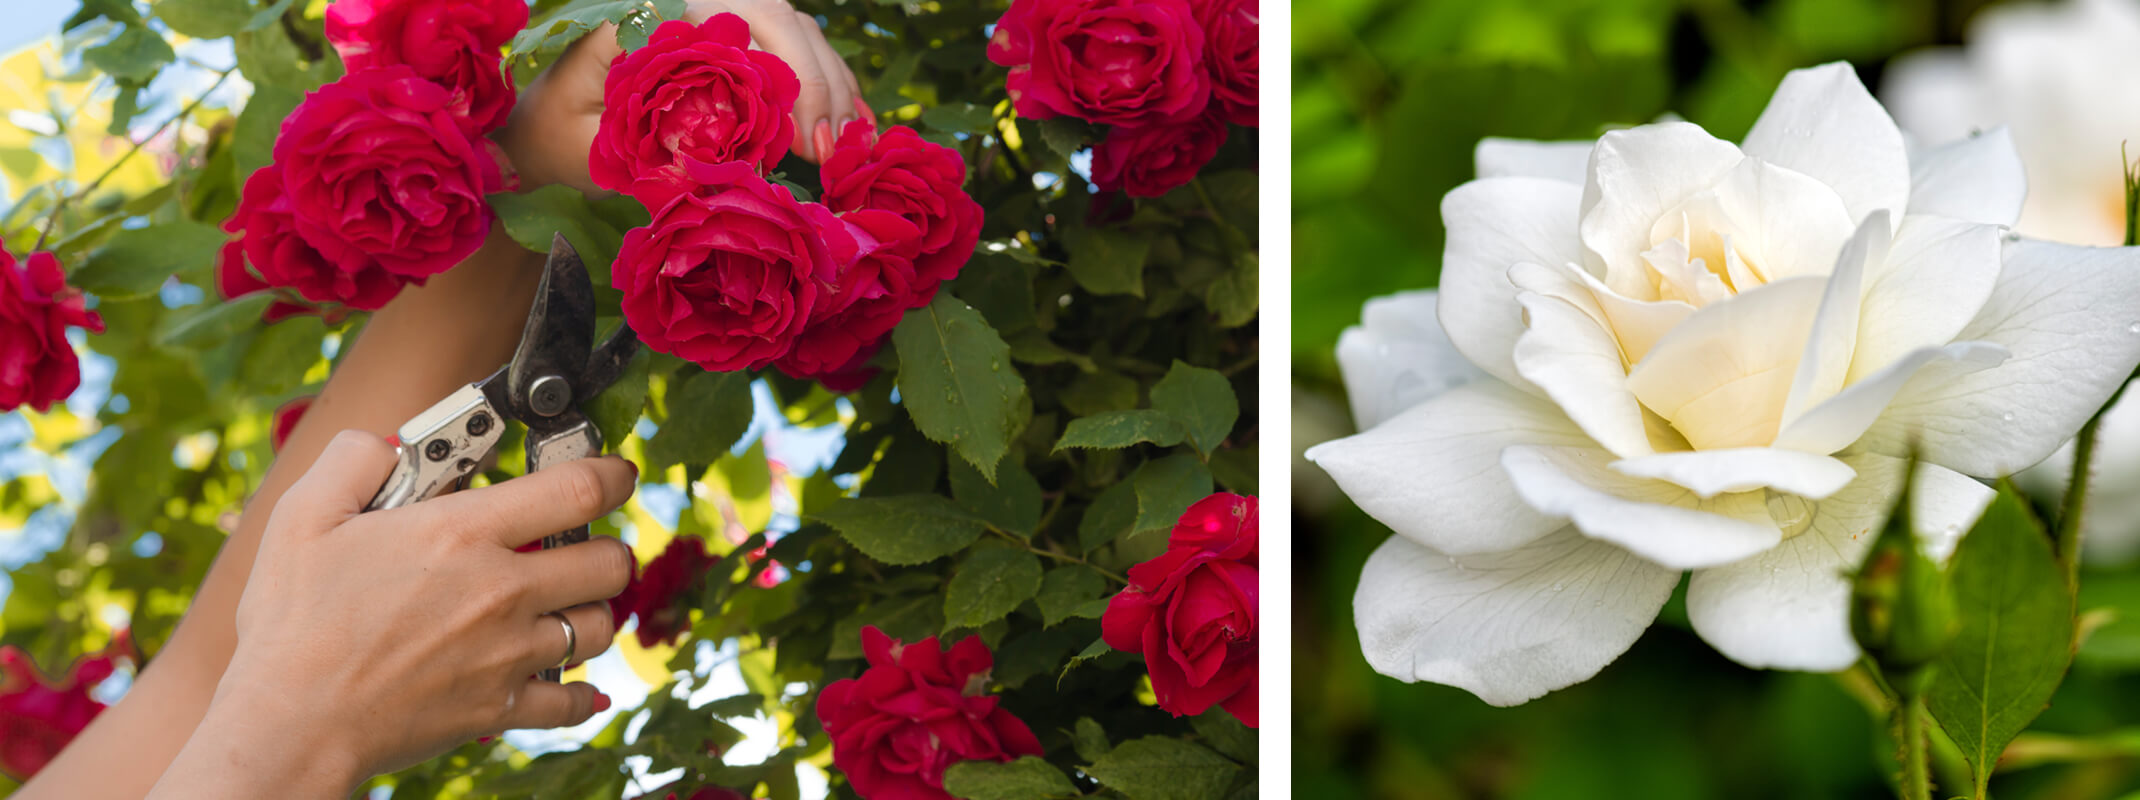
(1167, 74)
(1192, 611)
(734, 272)
(39, 717)
(379, 178)
(37, 364)
(917, 710)
(653, 594)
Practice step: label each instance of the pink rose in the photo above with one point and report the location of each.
(871, 296)
(1231, 55)
(693, 93)
(1192, 611)
(454, 44)
(900, 172)
(917, 710)
(37, 363)
(728, 272)
(1113, 62)
(1149, 162)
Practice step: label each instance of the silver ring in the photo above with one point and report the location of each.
(572, 638)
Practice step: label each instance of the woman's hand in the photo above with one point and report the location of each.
(554, 122)
(371, 641)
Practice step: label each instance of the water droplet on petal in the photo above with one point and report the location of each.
(1557, 587)
(2007, 417)
(2133, 328)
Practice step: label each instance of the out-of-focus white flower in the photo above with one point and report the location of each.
(2060, 77)
(1691, 355)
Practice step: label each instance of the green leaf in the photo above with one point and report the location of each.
(706, 417)
(1164, 768)
(990, 584)
(1202, 400)
(1065, 589)
(2016, 631)
(278, 357)
(1224, 733)
(214, 324)
(534, 218)
(905, 529)
(908, 619)
(1233, 295)
(1166, 488)
(253, 144)
(1095, 650)
(567, 24)
(267, 16)
(960, 117)
(136, 262)
(1027, 777)
(1032, 346)
(1090, 740)
(1012, 503)
(957, 382)
(616, 410)
(1065, 135)
(1112, 513)
(134, 56)
(204, 19)
(1118, 429)
(1108, 260)
(883, 93)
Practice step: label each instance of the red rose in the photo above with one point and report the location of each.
(286, 419)
(1114, 62)
(1149, 162)
(728, 272)
(653, 594)
(37, 363)
(920, 180)
(38, 717)
(693, 93)
(917, 710)
(455, 45)
(1231, 55)
(872, 293)
(1192, 611)
(374, 186)
(232, 279)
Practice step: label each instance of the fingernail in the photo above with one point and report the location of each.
(601, 702)
(863, 109)
(823, 138)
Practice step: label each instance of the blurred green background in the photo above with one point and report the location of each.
(1389, 99)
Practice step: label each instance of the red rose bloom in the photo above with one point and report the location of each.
(37, 363)
(728, 272)
(917, 710)
(1149, 162)
(871, 295)
(693, 93)
(920, 180)
(38, 717)
(1114, 62)
(1231, 55)
(232, 279)
(455, 45)
(655, 591)
(1192, 611)
(286, 419)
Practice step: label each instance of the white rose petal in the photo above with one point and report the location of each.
(1494, 224)
(1667, 524)
(1398, 357)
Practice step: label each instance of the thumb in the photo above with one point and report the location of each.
(345, 477)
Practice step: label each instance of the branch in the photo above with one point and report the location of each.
(60, 207)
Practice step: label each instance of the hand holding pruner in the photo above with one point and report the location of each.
(554, 369)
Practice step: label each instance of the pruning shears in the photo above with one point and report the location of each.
(554, 368)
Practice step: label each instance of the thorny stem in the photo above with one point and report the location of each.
(1057, 555)
(2075, 504)
(60, 207)
(1915, 782)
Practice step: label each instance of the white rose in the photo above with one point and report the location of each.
(2057, 74)
(1699, 356)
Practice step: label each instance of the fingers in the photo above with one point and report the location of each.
(542, 704)
(539, 503)
(588, 572)
(840, 90)
(780, 30)
(348, 472)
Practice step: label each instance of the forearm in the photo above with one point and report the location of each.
(245, 748)
(425, 343)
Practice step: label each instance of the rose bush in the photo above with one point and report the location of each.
(880, 392)
(1707, 357)
(37, 363)
(917, 710)
(1192, 611)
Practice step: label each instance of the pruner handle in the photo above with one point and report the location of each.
(580, 439)
(440, 447)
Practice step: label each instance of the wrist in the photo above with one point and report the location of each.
(261, 742)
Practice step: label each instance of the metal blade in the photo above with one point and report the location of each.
(609, 360)
(541, 381)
